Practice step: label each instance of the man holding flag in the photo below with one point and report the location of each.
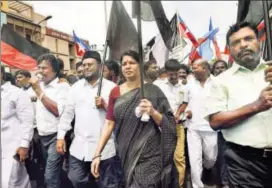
(240, 104)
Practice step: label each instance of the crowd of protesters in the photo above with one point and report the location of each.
(198, 125)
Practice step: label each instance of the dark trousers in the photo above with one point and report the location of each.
(53, 161)
(247, 167)
(81, 177)
(35, 164)
(221, 167)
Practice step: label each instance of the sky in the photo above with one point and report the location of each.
(87, 18)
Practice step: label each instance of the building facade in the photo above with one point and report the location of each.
(22, 18)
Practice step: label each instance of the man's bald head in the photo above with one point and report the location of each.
(201, 69)
(203, 63)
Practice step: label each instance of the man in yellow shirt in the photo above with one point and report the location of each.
(240, 104)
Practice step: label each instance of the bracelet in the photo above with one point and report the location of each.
(98, 156)
(41, 96)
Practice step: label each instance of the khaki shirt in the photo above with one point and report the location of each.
(234, 89)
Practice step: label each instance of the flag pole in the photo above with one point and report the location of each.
(140, 49)
(268, 29)
(104, 54)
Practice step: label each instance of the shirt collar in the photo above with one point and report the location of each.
(53, 83)
(166, 81)
(236, 67)
(86, 83)
(211, 77)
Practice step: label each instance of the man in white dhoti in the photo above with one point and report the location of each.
(16, 133)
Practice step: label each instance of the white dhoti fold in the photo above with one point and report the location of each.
(14, 174)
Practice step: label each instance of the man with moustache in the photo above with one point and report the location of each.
(219, 66)
(240, 104)
(175, 92)
(183, 73)
(151, 71)
(35, 162)
(201, 139)
(51, 96)
(90, 112)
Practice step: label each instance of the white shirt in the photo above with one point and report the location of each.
(233, 89)
(89, 120)
(196, 95)
(16, 119)
(47, 123)
(176, 94)
(30, 92)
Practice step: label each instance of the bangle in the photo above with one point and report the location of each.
(98, 156)
(41, 96)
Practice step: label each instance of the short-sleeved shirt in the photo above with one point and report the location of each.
(196, 98)
(234, 89)
(175, 94)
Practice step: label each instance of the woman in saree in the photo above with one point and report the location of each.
(145, 149)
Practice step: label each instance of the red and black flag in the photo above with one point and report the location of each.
(18, 52)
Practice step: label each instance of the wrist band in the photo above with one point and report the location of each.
(98, 156)
(41, 96)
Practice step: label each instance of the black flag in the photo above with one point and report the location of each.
(251, 11)
(121, 34)
(153, 11)
(176, 38)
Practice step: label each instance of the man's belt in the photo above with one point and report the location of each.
(265, 152)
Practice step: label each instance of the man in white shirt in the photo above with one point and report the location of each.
(175, 91)
(51, 96)
(16, 133)
(35, 162)
(90, 112)
(240, 104)
(201, 139)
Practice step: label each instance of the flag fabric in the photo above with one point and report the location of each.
(177, 39)
(251, 11)
(185, 32)
(155, 9)
(227, 52)
(216, 47)
(194, 53)
(80, 46)
(17, 51)
(205, 50)
(261, 30)
(121, 34)
(146, 11)
(160, 51)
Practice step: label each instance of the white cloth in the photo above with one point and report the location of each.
(16, 127)
(196, 95)
(233, 89)
(160, 51)
(89, 120)
(201, 144)
(175, 94)
(47, 123)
